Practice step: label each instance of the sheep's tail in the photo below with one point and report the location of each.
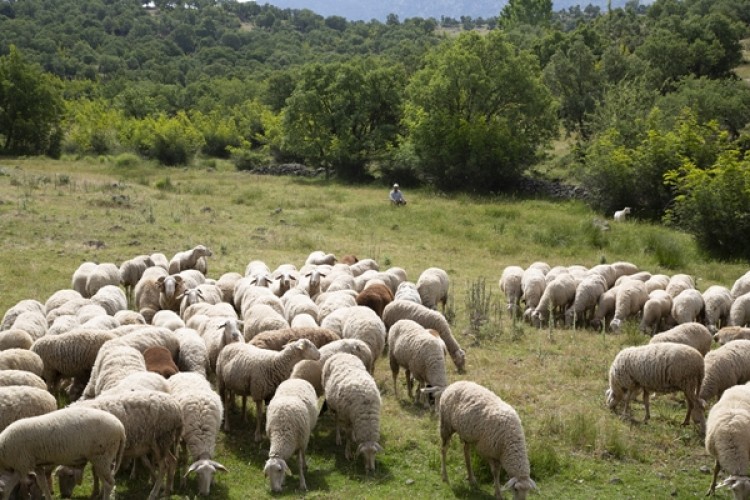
(120, 454)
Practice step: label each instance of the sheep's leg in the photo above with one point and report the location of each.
(467, 459)
(244, 408)
(102, 469)
(41, 482)
(443, 452)
(690, 407)
(496, 479)
(302, 466)
(647, 406)
(712, 488)
(395, 380)
(409, 385)
(338, 432)
(259, 420)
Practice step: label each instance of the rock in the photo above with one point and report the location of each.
(409, 482)
(615, 480)
(705, 469)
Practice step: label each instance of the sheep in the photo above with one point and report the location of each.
(167, 319)
(70, 355)
(70, 436)
(21, 359)
(15, 339)
(361, 322)
(605, 308)
(624, 268)
(275, 340)
(408, 291)
(209, 293)
(89, 312)
(223, 309)
(81, 276)
(102, 275)
(193, 355)
(153, 425)
(284, 278)
(246, 370)
(695, 335)
(217, 333)
(727, 432)
(510, 285)
(558, 295)
(660, 367)
(620, 215)
(202, 412)
(484, 420)
(318, 258)
(656, 311)
(730, 333)
(160, 260)
(363, 265)
(112, 364)
(678, 283)
(63, 324)
(23, 401)
(303, 320)
(147, 291)
(741, 286)
(376, 297)
(31, 322)
(131, 271)
(532, 286)
(261, 318)
(433, 286)
(606, 271)
(128, 317)
(20, 377)
(159, 360)
(330, 301)
(402, 309)
(352, 394)
(195, 258)
(139, 381)
(226, 283)
(70, 307)
(21, 307)
(717, 302)
(420, 353)
(726, 366)
(312, 370)
(687, 306)
(299, 303)
(171, 290)
(290, 418)
(349, 259)
(739, 313)
(657, 282)
(630, 298)
(640, 276)
(101, 322)
(586, 298)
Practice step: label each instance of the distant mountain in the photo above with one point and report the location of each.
(355, 10)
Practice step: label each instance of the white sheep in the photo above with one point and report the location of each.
(558, 295)
(363, 265)
(59, 298)
(728, 440)
(167, 319)
(312, 370)
(129, 317)
(620, 215)
(433, 286)
(662, 367)
(310, 280)
(217, 333)
(32, 322)
(657, 282)
(147, 291)
(741, 286)
(403, 309)
(606, 271)
(510, 285)
(260, 318)
(678, 283)
(739, 313)
(717, 302)
(605, 309)
(726, 366)
(687, 306)
(630, 298)
(21, 359)
(328, 302)
(352, 394)
(493, 427)
(730, 333)
(160, 260)
(290, 418)
(420, 353)
(23, 401)
(532, 285)
(223, 309)
(20, 377)
(587, 294)
(226, 283)
(101, 276)
(318, 258)
(246, 370)
(193, 356)
(81, 276)
(299, 303)
(15, 339)
(303, 320)
(695, 335)
(70, 436)
(202, 411)
(112, 364)
(656, 311)
(624, 268)
(205, 292)
(364, 324)
(408, 291)
(21, 307)
(640, 276)
(195, 258)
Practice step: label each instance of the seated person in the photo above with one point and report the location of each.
(396, 196)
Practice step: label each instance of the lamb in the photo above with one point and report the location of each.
(167, 319)
(741, 286)
(275, 340)
(195, 258)
(726, 366)
(81, 276)
(727, 440)
(312, 370)
(656, 311)
(193, 356)
(586, 299)
(10, 378)
(15, 339)
(408, 291)
(291, 416)
(70, 436)
(558, 295)
(376, 297)
(159, 360)
(678, 283)
(352, 394)
(402, 309)
(739, 313)
(510, 285)
(131, 272)
(730, 333)
(319, 258)
(101, 276)
(484, 420)
(660, 367)
(695, 335)
(21, 359)
(717, 302)
(420, 353)
(246, 370)
(630, 298)
(433, 286)
(202, 412)
(261, 318)
(620, 215)
(687, 306)
(23, 401)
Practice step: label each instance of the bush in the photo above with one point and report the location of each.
(248, 159)
(127, 160)
(169, 140)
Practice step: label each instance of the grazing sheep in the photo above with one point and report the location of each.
(587, 294)
(620, 215)
(319, 258)
(695, 335)
(81, 276)
(558, 295)
(193, 356)
(605, 309)
(328, 302)
(656, 311)
(433, 286)
(128, 317)
(657, 282)
(311, 280)
(739, 313)
(101, 276)
(630, 298)
(112, 364)
(20, 377)
(275, 340)
(223, 309)
(202, 412)
(741, 286)
(407, 291)
(147, 292)
(640, 276)
(261, 318)
(195, 258)
(402, 309)
(678, 283)
(363, 265)
(303, 320)
(726, 366)
(31, 322)
(227, 283)
(131, 272)
(246, 370)
(312, 370)
(22, 307)
(23, 401)
(661, 367)
(730, 333)
(71, 437)
(167, 319)
(728, 440)
(532, 286)
(284, 278)
(21, 359)
(687, 306)
(205, 292)
(376, 297)
(420, 353)
(15, 339)
(352, 394)
(510, 285)
(361, 322)
(290, 418)
(717, 302)
(159, 360)
(299, 303)
(484, 420)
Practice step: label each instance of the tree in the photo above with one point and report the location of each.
(31, 107)
(533, 12)
(478, 112)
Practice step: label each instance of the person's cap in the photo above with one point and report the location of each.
(395, 185)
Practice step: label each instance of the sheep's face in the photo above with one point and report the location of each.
(205, 470)
(459, 358)
(611, 399)
(740, 486)
(276, 469)
(368, 451)
(68, 478)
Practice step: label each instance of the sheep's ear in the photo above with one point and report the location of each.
(178, 278)
(287, 470)
(161, 280)
(218, 466)
(199, 292)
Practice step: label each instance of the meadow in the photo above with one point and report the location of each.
(56, 214)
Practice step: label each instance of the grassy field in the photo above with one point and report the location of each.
(55, 215)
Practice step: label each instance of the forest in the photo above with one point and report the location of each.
(641, 106)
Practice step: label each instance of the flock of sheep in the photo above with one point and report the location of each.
(683, 324)
(152, 354)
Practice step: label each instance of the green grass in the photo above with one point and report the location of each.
(49, 211)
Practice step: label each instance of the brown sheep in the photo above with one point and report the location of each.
(376, 297)
(348, 260)
(159, 360)
(275, 340)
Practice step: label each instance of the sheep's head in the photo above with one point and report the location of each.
(205, 470)
(740, 486)
(202, 251)
(276, 469)
(368, 451)
(305, 349)
(612, 400)
(520, 487)
(232, 330)
(68, 478)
